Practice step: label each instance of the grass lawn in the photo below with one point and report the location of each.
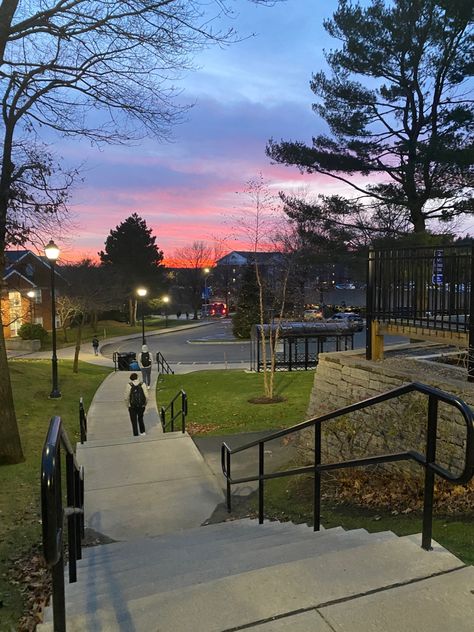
(218, 400)
(291, 499)
(20, 484)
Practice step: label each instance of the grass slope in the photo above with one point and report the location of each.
(218, 400)
(20, 484)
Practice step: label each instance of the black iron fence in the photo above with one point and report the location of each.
(424, 287)
(177, 409)
(54, 514)
(427, 460)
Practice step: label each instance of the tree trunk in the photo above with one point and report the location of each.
(131, 311)
(10, 445)
(64, 328)
(75, 364)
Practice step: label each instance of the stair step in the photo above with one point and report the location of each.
(173, 573)
(258, 595)
(154, 434)
(200, 537)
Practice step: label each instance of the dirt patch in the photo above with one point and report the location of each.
(267, 400)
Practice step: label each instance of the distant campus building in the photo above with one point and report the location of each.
(26, 291)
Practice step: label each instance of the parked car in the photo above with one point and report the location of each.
(312, 314)
(354, 319)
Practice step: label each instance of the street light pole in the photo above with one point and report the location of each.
(31, 295)
(206, 300)
(52, 254)
(166, 300)
(142, 293)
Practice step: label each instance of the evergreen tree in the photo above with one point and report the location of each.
(398, 108)
(133, 257)
(247, 312)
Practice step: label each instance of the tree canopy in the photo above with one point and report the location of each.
(398, 108)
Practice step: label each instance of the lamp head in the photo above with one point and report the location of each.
(51, 251)
(166, 299)
(142, 292)
(31, 294)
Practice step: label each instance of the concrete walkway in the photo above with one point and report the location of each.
(141, 486)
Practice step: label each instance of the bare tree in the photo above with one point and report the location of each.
(102, 70)
(193, 260)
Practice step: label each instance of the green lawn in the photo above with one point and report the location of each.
(19, 484)
(218, 400)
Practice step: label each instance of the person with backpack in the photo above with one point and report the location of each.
(144, 360)
(136, 397)
(95, 345)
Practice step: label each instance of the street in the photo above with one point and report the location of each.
(212, 343)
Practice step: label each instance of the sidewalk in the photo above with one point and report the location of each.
(141, 486)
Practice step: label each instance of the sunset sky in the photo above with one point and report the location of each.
(243, 95)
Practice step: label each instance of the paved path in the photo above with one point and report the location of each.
(141, 486)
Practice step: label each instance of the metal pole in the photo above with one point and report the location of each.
(143, 324)
(55, 393)
(261, 483)
(370, 303)
(470, 350)
(429, 474)
(317, 479)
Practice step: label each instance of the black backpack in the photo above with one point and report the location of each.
(137, 396)
(146, 359)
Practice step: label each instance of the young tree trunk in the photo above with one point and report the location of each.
(64, 328)
(10, 445)
(131, 311)
(75, 364)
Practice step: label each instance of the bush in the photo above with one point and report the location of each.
(29, 331)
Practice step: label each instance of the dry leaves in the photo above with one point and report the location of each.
(33, 577)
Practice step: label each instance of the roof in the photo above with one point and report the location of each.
(250, 256)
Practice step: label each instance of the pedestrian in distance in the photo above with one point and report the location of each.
(144, 361)
(187, 315)
(136, 398)
(95, 345)
(178, 315)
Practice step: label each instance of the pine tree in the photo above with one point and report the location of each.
(247, 311)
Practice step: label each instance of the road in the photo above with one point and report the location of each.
(209, 344)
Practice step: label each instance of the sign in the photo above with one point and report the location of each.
(438, 268)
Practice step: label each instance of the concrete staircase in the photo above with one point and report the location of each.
(269, 578)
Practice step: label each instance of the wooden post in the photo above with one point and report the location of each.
(376, 341)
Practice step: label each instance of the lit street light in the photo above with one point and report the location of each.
(206, 298)
(142, 292)
(166, 300)
(52, 254)
(31, 294)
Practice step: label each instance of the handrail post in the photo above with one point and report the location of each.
(163, 416)
(317, 479)
(184, 410)
(261, 484)
(71, 518)
(228, 477)
(429, 474)
(78, 521)
(172, 415)
(370, 304)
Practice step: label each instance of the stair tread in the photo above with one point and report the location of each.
(264, 593)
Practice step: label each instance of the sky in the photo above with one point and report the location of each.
(243, 95)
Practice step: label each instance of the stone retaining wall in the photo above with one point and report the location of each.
(343, 378)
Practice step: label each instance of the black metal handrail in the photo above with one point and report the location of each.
(181, 412)
(163, 366)
(428, 460)
(82, 421)
(53, 513)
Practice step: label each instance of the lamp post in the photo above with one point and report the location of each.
(206, 300)
(142, 292)
(166, 300)
(31, 295)
(52, 253)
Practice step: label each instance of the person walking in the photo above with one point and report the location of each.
(144, 361)
(136, 398)
(95, 345)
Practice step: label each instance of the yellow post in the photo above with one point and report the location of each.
(377, 341)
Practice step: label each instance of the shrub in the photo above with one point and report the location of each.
(30, 331)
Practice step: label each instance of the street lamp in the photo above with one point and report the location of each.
(166, 300)
(206, 273)
(31, 294)
(52, 254)
(142, 292)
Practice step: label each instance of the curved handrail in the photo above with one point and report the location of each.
(53, 512)
(182, 412)
(427, 461)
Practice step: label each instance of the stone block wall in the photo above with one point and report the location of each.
(344, 378)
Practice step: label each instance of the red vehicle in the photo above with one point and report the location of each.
(214, 309)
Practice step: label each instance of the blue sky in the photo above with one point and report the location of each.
(242, 95)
